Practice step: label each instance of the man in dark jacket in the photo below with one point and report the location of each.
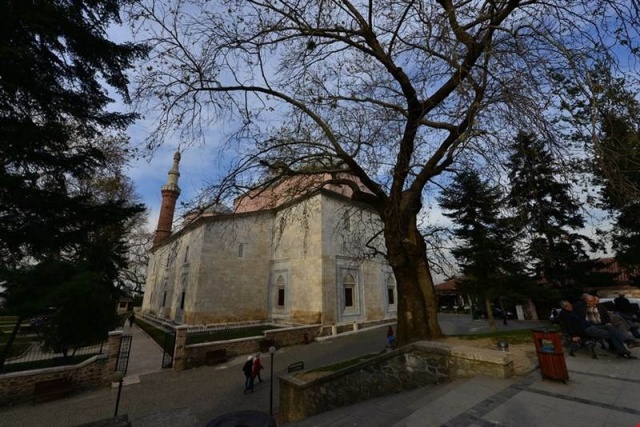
(601, 314)
(247, 368)
(577, 326)
(623, 305)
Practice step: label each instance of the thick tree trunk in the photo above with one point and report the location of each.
(417, 302)
(490, 318)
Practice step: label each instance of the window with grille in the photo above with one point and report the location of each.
(349, 285)
(280, 291)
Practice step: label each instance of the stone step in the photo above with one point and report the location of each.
(382, 411)
(454, 399)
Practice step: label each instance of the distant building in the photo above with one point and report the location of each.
(274, 257)
(125, 304)
(624, 280)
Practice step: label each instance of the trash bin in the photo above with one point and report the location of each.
(548, 344)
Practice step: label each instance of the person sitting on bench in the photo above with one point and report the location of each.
(577, 326)
(600, 314)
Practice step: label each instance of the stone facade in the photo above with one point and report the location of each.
(407, 368)
(302, 262)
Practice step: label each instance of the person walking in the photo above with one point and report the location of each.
(257, 367)
(248, 375)
(391, 339)
(132, 319)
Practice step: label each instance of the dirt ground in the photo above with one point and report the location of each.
(523, 355)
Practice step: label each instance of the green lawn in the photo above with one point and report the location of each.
(21, 342)
(156, 334)
(228, 334)
(49, 363)
(7, 323)
(521, 336)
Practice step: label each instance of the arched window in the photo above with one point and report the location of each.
(346, 222)
(391, 291)
(241, 250)
(164, 292)
(280, 291)
(185, 280)
(349, 287)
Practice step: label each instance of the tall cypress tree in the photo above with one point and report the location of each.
(547, 215)
(485, 248)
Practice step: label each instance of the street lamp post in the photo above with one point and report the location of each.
(272, 351)
(118, 376)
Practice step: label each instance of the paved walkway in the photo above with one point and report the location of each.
(604, 392)
(601, 392)
(145, 356)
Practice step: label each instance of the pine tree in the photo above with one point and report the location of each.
(53, 57)
(618, 169)
(485, 244)
(58, 242)
(547, 215)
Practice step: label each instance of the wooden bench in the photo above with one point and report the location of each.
(52, 389)
(216, 356)
(293, 367)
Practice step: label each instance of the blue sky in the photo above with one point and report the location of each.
(198, 166)
(200, 163)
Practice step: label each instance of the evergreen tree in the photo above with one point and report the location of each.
(53, 57)
(614, 164)
(547, 215)
(485, 244)
(618, 169)
(58, 233)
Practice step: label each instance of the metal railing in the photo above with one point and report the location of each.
(26, 355)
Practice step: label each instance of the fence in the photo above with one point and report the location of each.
(196, 335)
(17, 387)
(191, 355)
(26, 355)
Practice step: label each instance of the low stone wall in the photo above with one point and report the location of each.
(404, 369)
(18, 387)
(285, 337)
(329, 330)
(192, 355)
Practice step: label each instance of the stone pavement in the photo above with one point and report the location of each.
(145, 356)
(601, 392)
(187, 398)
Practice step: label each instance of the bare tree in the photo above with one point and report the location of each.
(140, 241)
(379, 96)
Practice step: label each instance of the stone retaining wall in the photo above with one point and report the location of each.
(192, 355)
(18, 387)
(410, 367)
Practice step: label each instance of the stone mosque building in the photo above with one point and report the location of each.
(274, 257)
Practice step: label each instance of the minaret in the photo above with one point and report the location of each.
(170, 193)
